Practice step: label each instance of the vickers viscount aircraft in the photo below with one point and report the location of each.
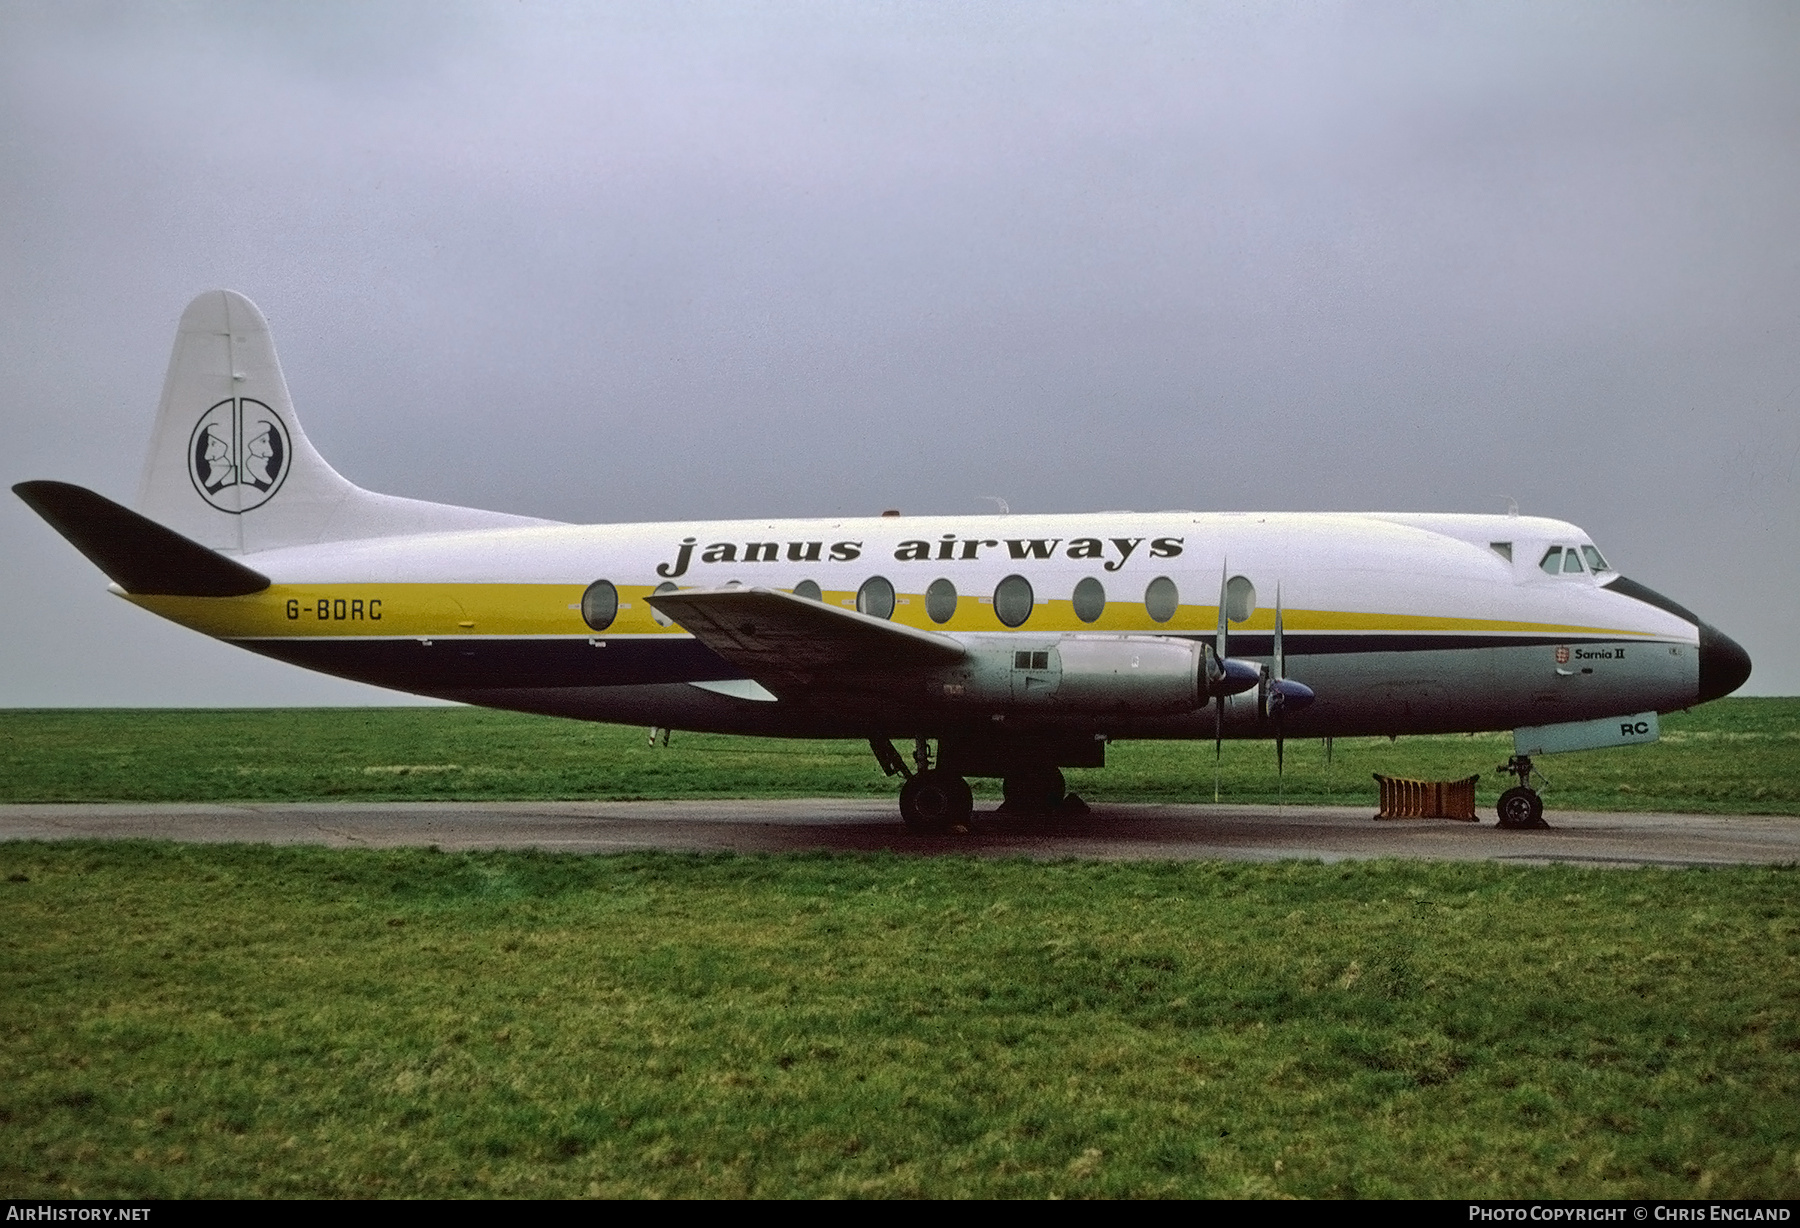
(1019, 645)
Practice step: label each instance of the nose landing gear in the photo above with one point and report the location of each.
(1520, 806)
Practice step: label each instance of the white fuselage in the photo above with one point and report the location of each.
(1399, 623)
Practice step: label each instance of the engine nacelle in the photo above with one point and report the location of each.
(1136, 675)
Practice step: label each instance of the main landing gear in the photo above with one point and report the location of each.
(938, 798)
(1520, 806)
(1038, 790)
(936, 801)
(932, 799)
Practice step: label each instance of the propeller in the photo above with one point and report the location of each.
(1281, 694)
(1225, 676)
(1215, 675)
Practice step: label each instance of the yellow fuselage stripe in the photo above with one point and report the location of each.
(510, 610)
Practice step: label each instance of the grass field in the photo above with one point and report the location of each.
(1732, 756)
(254, 1021)
(257, 1021)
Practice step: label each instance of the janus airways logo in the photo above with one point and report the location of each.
(238, 454)
(1562, 655)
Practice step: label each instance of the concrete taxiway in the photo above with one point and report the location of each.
(1111, 832)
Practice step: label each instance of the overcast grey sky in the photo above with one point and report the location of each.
(647, 261)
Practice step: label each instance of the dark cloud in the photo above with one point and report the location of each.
(636, 262)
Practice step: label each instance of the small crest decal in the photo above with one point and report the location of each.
(238, 455)
(1562, 655)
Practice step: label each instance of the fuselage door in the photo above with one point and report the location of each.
(1036, 673)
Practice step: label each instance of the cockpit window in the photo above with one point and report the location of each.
(1566, 561)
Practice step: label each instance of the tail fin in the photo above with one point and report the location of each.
(229, 466)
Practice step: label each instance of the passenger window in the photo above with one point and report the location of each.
(600, 605)
(1161, 599)
(940, 601)
(1571, 561)
(1596, 564)
(1090, 600)
(876, 597)
(656, 615)
(1552, 560)
(1240, 598)
(1013, 600)
(808, 589)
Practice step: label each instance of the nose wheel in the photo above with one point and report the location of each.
(1520, 807)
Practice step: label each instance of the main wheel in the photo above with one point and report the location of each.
(936, 801)
(1034, 791)
(1520, 807)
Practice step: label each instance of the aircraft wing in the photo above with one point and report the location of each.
(789, 643)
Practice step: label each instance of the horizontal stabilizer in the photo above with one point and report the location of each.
(788, 642)
(140, 555)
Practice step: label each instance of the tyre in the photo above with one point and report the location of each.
(1035, 791)
(936, 801)
(1520, 807)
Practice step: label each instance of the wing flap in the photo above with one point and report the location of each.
(788, 643)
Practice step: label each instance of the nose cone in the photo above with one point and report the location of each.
(1723, 664)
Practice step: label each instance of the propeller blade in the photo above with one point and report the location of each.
(1278, 693)
(1279, 657)
(1218, 741)
(1222, 643)
(1280, 777)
